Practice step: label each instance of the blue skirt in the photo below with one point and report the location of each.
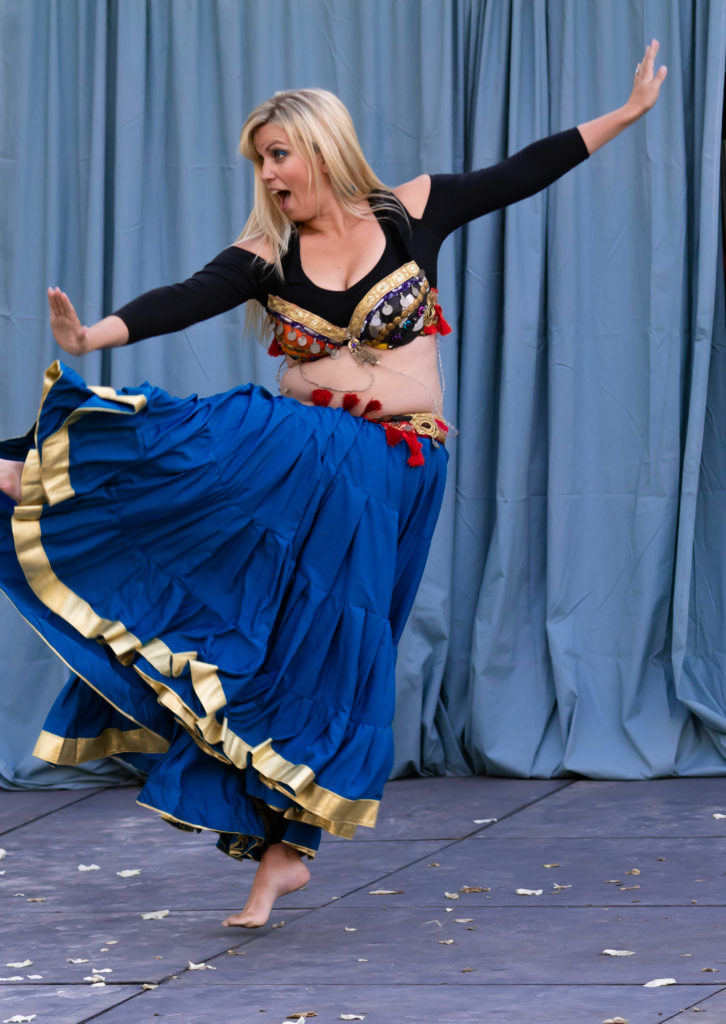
(227, 578)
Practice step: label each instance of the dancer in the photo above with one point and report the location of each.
(228, 577)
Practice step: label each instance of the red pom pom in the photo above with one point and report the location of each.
(274, 349)
(350, 401)
(373, 406)
(321, 396)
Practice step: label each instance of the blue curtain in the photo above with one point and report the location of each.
(571, 616)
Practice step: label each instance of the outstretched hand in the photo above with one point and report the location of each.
(647, 82)
(67, 329)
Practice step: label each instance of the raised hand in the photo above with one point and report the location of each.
(67, 329)
(647, 82)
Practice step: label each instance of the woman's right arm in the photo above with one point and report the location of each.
(231, 278)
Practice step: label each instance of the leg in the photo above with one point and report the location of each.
(281, 871)
(10, 473)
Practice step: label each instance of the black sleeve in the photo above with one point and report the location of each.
(228, 280)
(458, 198)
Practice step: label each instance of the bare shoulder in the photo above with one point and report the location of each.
(257, 245)
(414, 194)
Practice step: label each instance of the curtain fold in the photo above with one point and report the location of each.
(571, 614)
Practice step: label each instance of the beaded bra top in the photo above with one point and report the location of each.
(400, 307)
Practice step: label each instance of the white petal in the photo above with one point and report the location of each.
(528, 892)
(88, 867)
(718, 817)
(102, 970)
(15, 977)
(485, 821)
(3, 854)
(617, 1020)
(128, 872)
(385, 892)
(148, 986)
(617, 952)
(98, 984)
(451, 895)
(350, 929)
(352, 1016)
(19, 1018)
(660, 982)
(80, 960)
(34, 977)
(155, 915)
(23, 963)
(201, 967)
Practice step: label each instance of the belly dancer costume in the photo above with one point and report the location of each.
(228, 577)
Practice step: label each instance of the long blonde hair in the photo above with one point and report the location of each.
(317, 124)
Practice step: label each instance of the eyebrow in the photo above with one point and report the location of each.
(275, 144)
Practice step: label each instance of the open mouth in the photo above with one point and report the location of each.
(283, 196)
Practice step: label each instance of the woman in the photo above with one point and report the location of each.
(229, 576)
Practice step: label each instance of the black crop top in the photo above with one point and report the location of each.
(394, 303)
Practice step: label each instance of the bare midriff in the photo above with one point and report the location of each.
(405, 380)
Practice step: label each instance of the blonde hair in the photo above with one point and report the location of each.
(317, 123)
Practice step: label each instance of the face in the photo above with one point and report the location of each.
(285, 173)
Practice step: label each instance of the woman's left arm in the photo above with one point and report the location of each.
(645, 92)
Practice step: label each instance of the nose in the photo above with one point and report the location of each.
(267, 171)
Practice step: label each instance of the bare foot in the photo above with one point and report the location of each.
(281, 871)
(10, 473)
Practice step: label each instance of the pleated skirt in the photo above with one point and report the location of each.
(227, 578)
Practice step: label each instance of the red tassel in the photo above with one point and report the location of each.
(416, 457)
(350, 401)
(274, 349)
(373, 406)
(393, 435)
(321, 396)
(443, 326)
(440, 326)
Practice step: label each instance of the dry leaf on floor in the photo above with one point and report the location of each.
(633, 871)
(528, 892)
(434, 864)
(200, 967)
(79, 960)
(94, 977)
(155, 915)
(628, 888)
(386, 892)
(660, 982)
(302, 1016)
(469, 970)
(556, 886)
(709, 970)
(551, 865)
(128, 872)
(485, 821)
(20, 963)
(112, 942)
(36, 899)
(279, 924)
(451, 895)
(613, 881)
(446, 942)
(148, 986)
(617, 1020)
(475, 888)
(618, 952)
(88, 867)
